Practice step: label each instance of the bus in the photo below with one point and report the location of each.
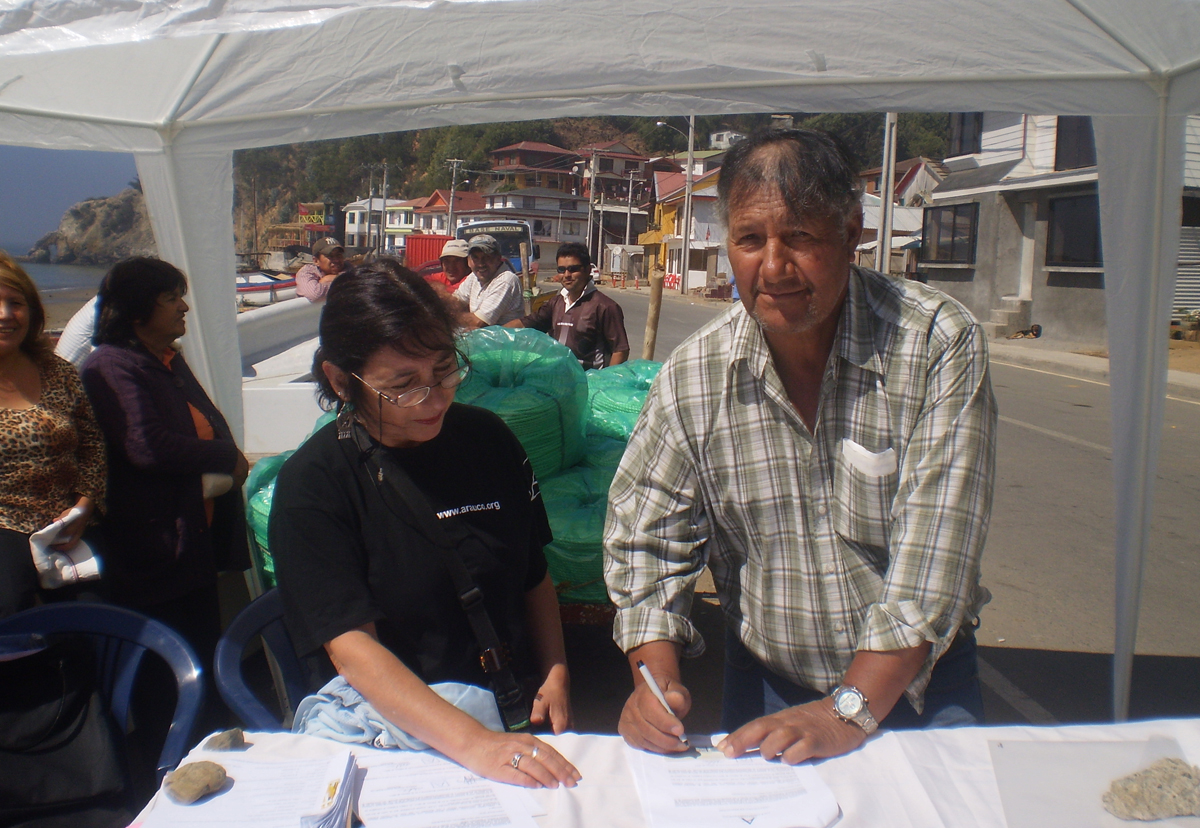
(511, 233)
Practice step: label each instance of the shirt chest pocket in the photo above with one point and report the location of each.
(864, 486)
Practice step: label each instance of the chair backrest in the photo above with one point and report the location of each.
(124, 636)
(264, 616)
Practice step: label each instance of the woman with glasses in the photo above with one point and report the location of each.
(362, 579)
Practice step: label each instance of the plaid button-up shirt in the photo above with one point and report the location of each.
(864, 534)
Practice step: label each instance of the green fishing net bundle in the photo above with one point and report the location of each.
(536, 386)
(616, 396)
(576, 501)
(260, 491)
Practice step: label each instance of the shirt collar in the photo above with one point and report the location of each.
(855, 340)
(567, 297)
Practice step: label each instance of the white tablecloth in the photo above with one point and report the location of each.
(913, 779)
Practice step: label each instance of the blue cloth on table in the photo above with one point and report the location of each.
(339, 712)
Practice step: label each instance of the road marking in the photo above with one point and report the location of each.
(1058, 435)
(1014, 696)
(1080, 379)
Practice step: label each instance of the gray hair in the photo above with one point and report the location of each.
(811, 169)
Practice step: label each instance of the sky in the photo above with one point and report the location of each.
(37, 186)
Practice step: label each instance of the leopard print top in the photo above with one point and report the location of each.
(50, 454)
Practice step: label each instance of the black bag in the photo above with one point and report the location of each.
(60, 755)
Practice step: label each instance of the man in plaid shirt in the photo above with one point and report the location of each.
(827, 449)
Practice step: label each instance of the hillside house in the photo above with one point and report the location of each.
(533, 164)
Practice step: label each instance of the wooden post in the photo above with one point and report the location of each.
(526, 278)
(656, 289)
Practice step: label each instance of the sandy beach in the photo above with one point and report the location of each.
(62, 303)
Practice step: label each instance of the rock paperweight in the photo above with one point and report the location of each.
(189, 782)
(233, 739)
(1168, 788)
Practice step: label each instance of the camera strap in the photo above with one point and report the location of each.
(410, 505)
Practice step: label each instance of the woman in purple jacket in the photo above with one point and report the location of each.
(175, 516)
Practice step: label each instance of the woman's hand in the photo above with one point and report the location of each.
(518, 759)
(553, 699)
(75, 528)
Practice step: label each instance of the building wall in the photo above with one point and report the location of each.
(1067, 302)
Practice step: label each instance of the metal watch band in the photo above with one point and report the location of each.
(863, 717)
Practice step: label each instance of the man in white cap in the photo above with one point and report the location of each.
(329, 260)
(492, 291)
(455, 267)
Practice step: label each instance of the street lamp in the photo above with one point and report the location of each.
(687, 197)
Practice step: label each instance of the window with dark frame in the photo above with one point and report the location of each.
(1073, 232)
(948, 234)
(1075, 144)
(966, 133)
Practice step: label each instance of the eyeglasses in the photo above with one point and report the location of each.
(570, 268)
(416, 396)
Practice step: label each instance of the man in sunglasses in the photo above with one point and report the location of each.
(585, 320)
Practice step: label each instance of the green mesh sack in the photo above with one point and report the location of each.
(536, 386)
(616, 396)
(260, 490)
(576, 501)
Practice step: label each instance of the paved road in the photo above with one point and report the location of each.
(1048, 633)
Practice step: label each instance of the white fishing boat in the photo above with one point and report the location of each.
(258, 288)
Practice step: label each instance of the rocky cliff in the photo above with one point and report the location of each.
(99, 231)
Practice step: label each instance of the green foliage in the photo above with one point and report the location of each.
(345, 169)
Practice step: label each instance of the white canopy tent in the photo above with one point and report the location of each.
(183, 84)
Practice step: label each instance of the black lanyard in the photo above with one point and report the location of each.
(410, 505)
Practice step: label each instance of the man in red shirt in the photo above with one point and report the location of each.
(455, 266)
(585, 320)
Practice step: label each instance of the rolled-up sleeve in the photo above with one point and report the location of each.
(941, 510)
(655, 533)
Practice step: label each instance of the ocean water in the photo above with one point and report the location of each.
(53, 279)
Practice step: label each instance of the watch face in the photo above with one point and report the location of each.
(848, 703)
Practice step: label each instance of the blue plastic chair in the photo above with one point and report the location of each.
(263, 617)
(123, 637)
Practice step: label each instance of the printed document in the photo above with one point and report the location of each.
(703, 789)
(423, 789)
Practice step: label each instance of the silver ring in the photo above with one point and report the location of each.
(516, 760)
(534, 752)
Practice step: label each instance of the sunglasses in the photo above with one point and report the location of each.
(570, 268)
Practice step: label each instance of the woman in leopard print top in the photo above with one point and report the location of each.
(52, 449)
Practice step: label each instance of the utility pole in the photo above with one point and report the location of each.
(687, 206)
(883, 237)
(370, 202)
(453, 162)
(380, 241)
(629, 208)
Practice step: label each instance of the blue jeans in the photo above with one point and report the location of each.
(952, 698)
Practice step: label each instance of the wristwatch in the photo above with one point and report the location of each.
(850, 705)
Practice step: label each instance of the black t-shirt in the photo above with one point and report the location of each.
(344, 559)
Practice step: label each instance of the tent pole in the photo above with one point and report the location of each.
(1133, 543)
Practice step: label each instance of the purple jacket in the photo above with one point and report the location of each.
(160, 546)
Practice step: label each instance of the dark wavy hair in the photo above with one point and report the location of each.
(378, 305)
(36, 344)
(128, 294)
(812, 170)
(575, 250)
